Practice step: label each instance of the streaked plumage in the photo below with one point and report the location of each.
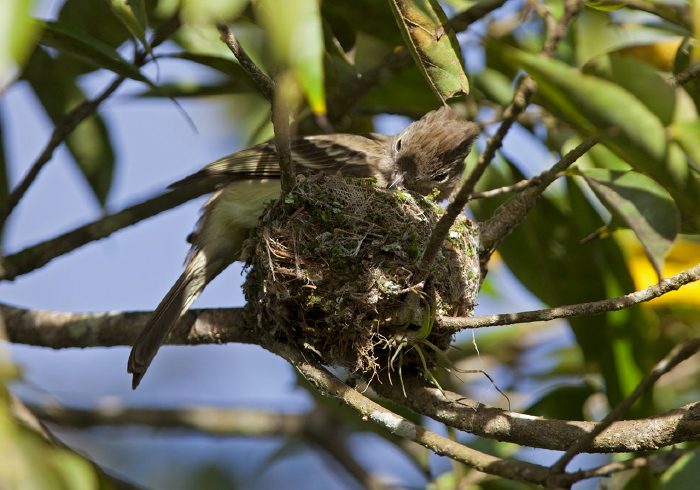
(429, 154)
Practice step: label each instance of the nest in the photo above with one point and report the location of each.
(331, 271)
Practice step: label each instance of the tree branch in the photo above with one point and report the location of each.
(677, 355)
(37, 256)
(62, 330)
(71, 121)
(264, 82)
(331, 386)
(511, 214)
(582, 309)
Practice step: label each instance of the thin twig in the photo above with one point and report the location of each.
(657, 462)
(557, 30)
(70, 121)
(283, 144)
(507, 189)
(684, 76)
(582, 309)
(37, 256)
(264, 82)
(520, 100)
(676, 356)
(511, 214)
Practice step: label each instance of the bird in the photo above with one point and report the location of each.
(426, 156)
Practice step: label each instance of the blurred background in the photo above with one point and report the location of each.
(156, 143)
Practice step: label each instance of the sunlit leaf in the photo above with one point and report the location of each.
(17, 31)
(296, 35)
(684, 474)
(435, 50)
(211, 11)
(605, 6)
(643, 205)
(593, 105)
(688, 137)
(639, 79)
(133, 14)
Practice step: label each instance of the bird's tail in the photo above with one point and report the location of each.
(198, 273)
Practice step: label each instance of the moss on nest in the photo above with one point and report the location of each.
(331, 270)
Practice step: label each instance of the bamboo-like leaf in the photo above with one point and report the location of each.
(89, 143)
(593, 104)
(435, 49)
(16, 34)
(132, 13)
(643, 205)
(71, 41)
(296, 33)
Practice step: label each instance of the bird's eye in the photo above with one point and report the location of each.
(441, 178)
(398, 144)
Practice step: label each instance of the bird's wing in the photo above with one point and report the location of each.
(345, 153)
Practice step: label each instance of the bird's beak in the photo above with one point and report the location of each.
(396, 180)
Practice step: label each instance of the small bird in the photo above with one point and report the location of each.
(429, 154)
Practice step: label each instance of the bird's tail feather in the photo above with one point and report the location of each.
(174, 305)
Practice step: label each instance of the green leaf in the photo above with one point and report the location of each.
(366, 16)
(132, 13)
(211, 11)
(595, 35)
(687, 135)
(406, 91)
(643, 205)
(295, 30)
(684, 474)
(563, 403)
(539, 253)
(71, 41)
(605, 7)
(184, 89)
(96, 20)
(593, 105)
(228, 66)
(89, 143)
(17, 31)
(641, 80)
(435, 50)
(494, 85)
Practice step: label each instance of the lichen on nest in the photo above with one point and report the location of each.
(330, 269)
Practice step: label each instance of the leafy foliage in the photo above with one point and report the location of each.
(630, 204)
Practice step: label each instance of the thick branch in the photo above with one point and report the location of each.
(62, 330)
(329, 385)
(678, 425)
(679, 354)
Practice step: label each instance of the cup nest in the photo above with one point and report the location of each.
(331, 268)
